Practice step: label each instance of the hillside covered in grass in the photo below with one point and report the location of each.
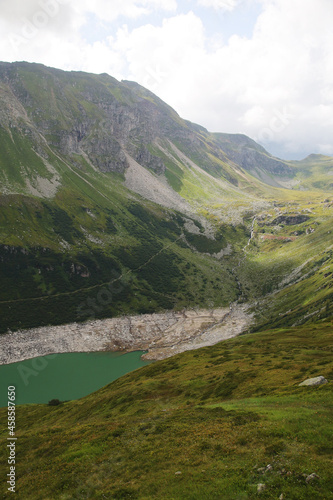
(207, 424)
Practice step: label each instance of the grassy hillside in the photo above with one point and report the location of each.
(66, 253)
(69, 228)
(289, 264)
(201, 425)
(314, 172)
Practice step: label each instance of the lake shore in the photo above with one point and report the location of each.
(161, 335)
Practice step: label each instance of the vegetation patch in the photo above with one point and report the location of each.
(150, 434)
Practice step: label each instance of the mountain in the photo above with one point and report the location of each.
(103, 184)
(112, 204)
(99, 121)
(96, 122)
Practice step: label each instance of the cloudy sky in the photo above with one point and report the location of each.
(259, 67)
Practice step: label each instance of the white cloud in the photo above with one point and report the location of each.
(109, 11)
(157, 56)
(227, 5)
(276, 86)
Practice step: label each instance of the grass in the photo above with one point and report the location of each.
(294, 270)
(199, 425)
(128, 236)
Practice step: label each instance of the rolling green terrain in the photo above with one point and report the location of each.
(112, 204)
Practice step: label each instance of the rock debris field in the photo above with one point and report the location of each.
(161, 335)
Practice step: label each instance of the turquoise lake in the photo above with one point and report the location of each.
(64, 376)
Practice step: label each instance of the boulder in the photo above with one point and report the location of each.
(314, 381)
(311, 477)
(261, 488)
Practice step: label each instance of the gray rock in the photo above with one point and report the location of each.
(314, 381)
(312, 477)
(261, 488)
(263, 470)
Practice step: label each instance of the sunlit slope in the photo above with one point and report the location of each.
(289, 265)
(314, 172)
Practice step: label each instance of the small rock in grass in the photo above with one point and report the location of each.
(177, 473)
(261, 488)
(313, 381)
(311, 477)
(281, 497)
(269, 468)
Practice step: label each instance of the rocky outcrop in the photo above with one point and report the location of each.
(314, 381)
(161, 335)
(251, 156)
(96, 116)
(290, 220)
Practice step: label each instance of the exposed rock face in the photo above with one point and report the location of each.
(249, 155)
(290, 220)
(162, 335)
(97, 117)
(314, 381)
(100, 117)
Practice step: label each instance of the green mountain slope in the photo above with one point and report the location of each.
(69, 225)
(111, 203)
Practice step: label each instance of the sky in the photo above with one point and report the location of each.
(263, 68)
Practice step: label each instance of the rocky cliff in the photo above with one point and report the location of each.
(98, 119)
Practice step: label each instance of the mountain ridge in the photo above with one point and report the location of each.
(100, 104)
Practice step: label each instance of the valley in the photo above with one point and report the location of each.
(124, 227)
